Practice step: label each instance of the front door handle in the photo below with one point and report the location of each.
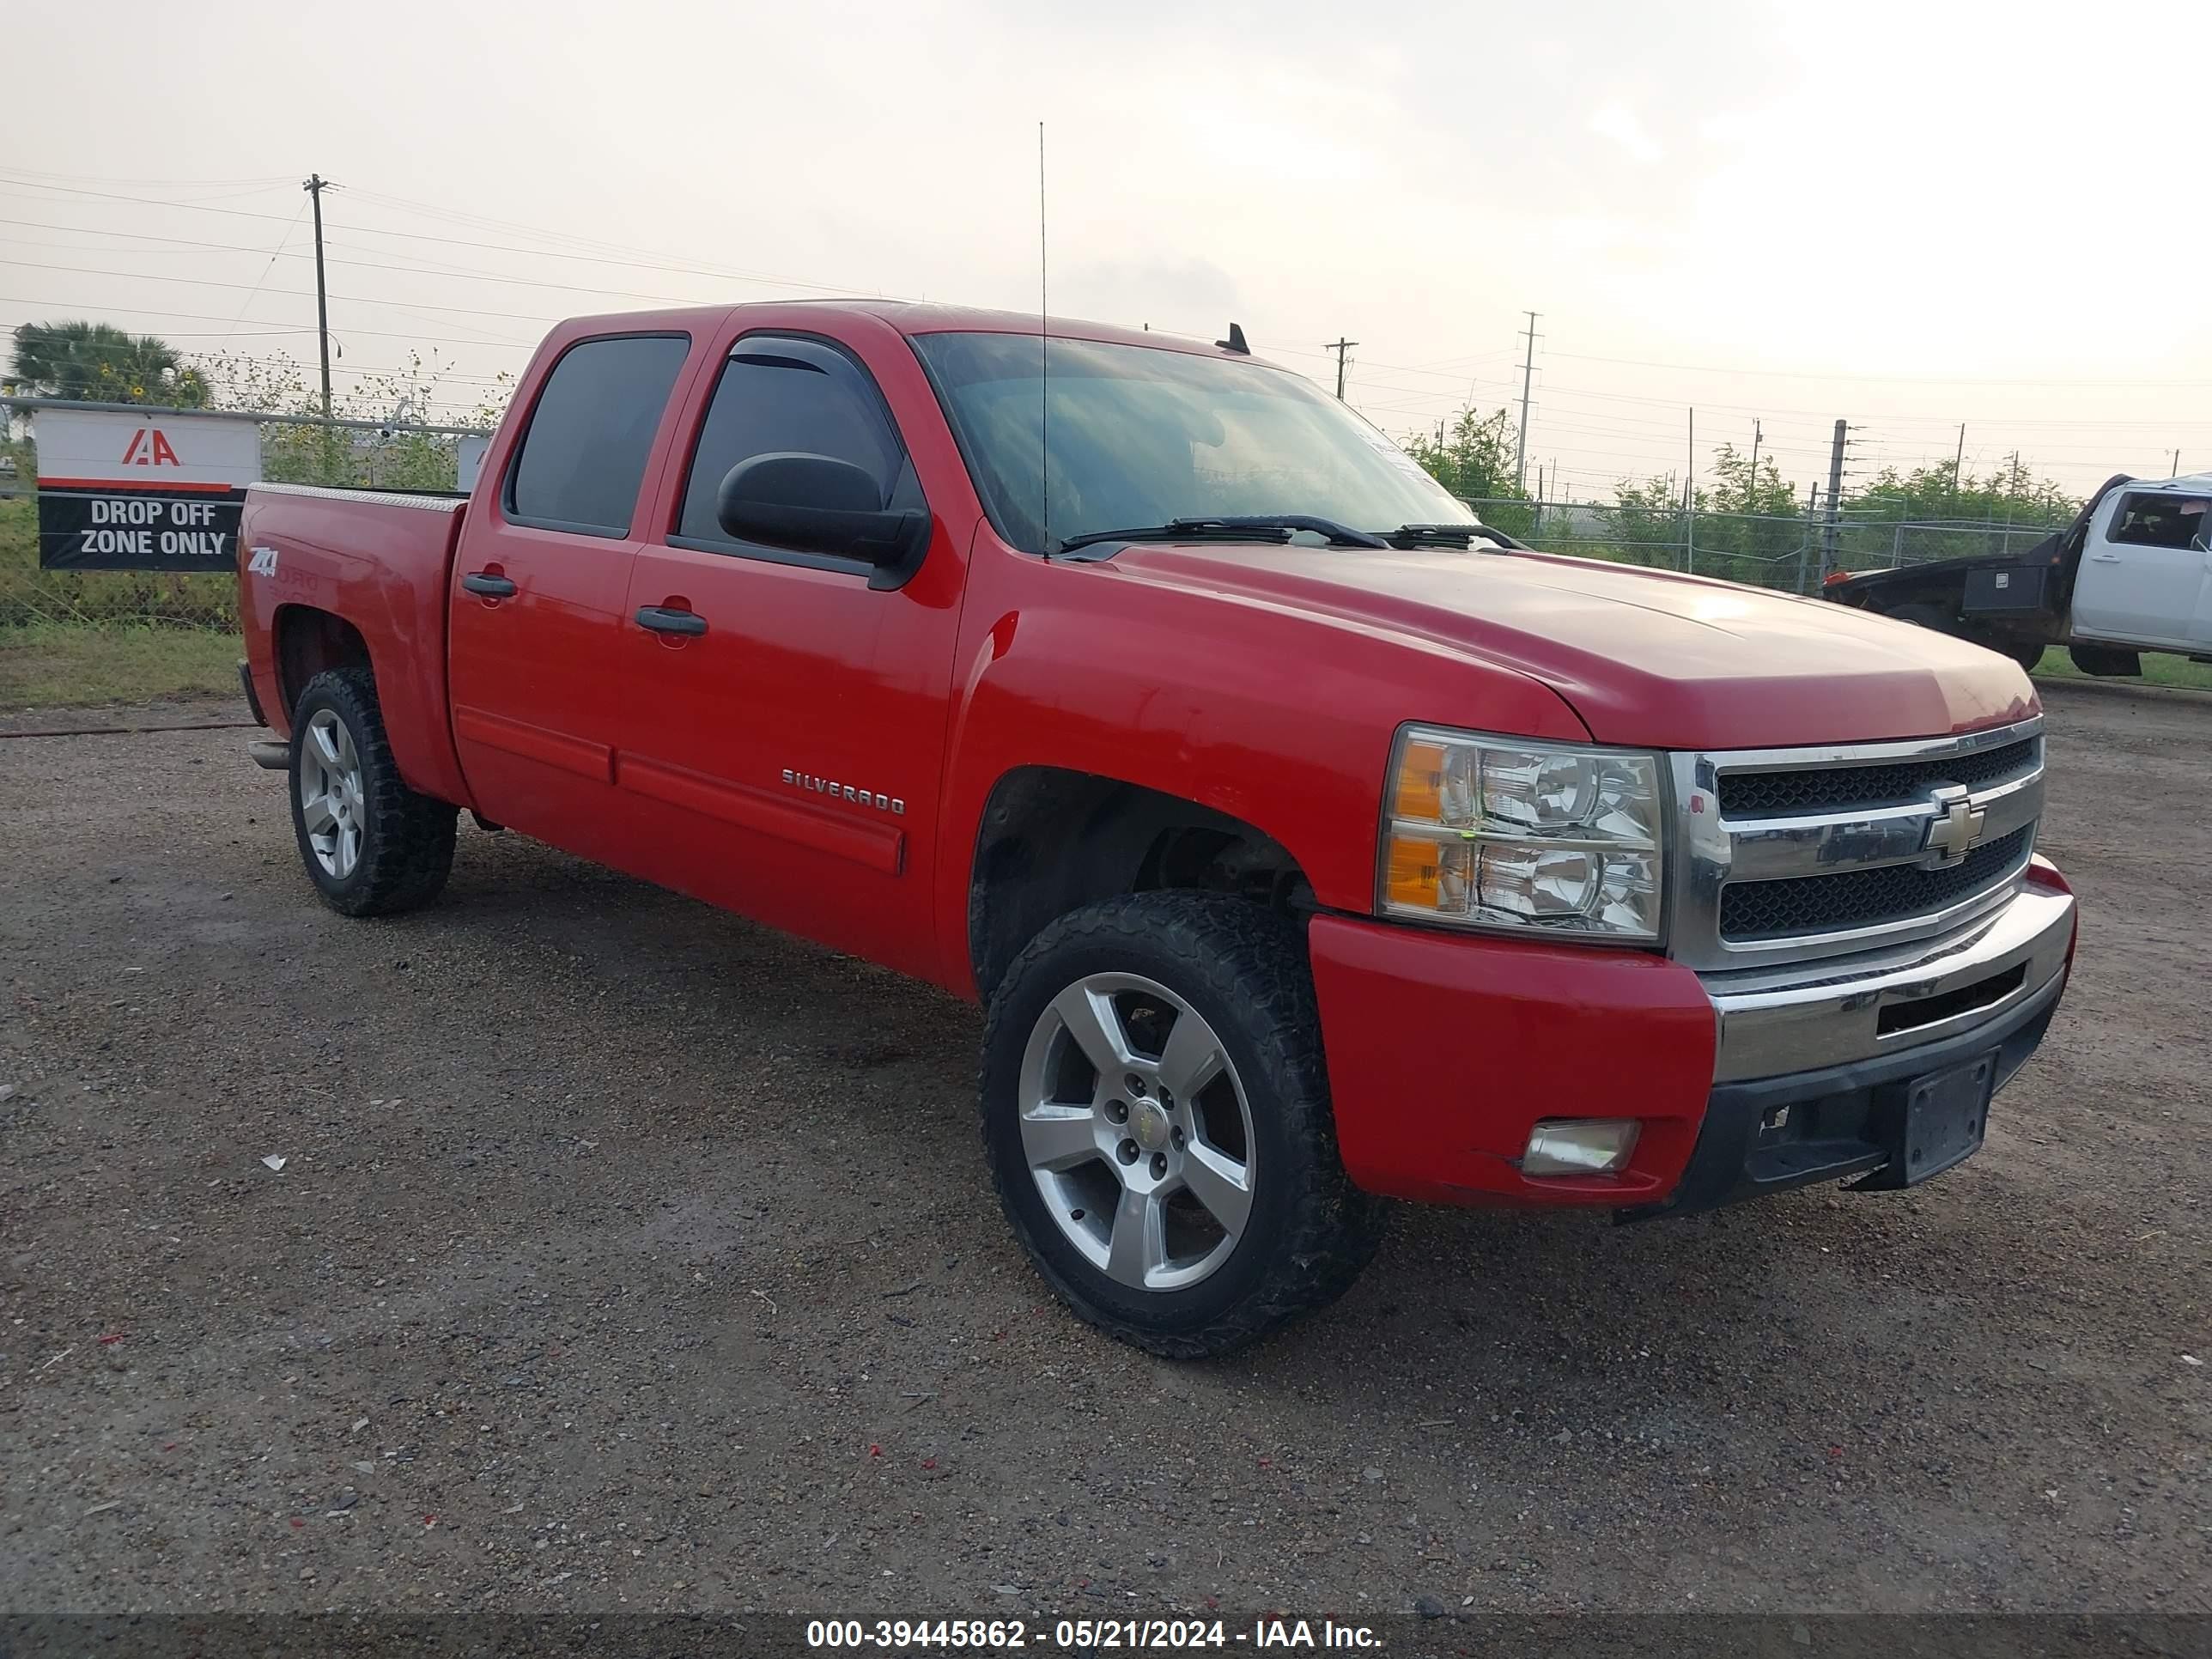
(661, 620)
(488, 586)
(2104, 558)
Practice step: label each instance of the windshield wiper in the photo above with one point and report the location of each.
(1454, 535)
(1278, 527)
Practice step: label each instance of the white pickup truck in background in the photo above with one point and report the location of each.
(2133, 573)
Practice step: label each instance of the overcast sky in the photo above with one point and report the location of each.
(1906, 215)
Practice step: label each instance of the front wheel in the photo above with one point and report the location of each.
(371, 845)
(1156, 1119)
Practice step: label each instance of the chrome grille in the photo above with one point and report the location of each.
(1770, 794)
(1795, 854)
(1819, 904)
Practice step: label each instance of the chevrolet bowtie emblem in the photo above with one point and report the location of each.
(1954, 831)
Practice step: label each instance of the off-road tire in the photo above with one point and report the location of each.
(1243, 970)
(407, 838)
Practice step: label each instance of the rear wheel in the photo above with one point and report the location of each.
(1156, 1115)
(371, 845)
(2105, 661)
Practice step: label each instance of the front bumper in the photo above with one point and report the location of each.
(1882, 1004)
(1777, 1133)
(1444, 1051)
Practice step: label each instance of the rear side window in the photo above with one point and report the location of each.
(2159, 520)
(584, 456)
(782, 394)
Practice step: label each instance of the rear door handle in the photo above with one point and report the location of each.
(490, 587)
(2104, 558)
(661, 620)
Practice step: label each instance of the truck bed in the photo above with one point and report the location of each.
(382, 560)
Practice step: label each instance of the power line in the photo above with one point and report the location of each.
(459, 274)
(202, 317)
(1613, 421)
(265, 180)
(1896, 379)
(356, 299)
(688, 267)
(245, 304)
(675, 263)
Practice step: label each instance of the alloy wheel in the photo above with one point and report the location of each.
(1137, 1131)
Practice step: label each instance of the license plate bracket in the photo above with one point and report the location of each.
(1936, 1122)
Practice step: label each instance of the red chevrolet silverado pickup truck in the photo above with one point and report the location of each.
(1310, 843)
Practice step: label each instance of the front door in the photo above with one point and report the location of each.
(2146, 576)
(538, 587)
(787, 719)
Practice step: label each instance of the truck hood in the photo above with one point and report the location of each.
(1645, 658)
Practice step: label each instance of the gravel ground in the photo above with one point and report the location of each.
(625, 1254)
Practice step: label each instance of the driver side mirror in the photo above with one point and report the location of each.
(818, 504)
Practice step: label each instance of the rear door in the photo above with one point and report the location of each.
(539, 583)
(790, 746)
(2145, 575)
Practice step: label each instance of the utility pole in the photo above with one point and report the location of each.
(1690, 477)
(2176, 462)
(1528, 373)
(1959, 464)
(1835, 494)
(1340, 346)
(1751, 494)
(315, 186)
(1690, 502)
(1804, 542)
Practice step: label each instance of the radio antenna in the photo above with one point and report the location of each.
(1044, 367)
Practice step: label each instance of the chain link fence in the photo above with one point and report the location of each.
(1787, 551)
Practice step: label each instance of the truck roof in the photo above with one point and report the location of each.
(2189, 483)
(915, 316)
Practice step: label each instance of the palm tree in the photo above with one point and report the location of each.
(98, 363)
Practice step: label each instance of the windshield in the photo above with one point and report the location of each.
(1139, 436)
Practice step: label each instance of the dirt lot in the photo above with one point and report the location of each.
(627, 1255)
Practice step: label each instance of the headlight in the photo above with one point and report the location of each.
(1492, 832)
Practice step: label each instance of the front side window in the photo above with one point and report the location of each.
(781, 395)
(2160, 521)
(583, 458)
(1140, 435)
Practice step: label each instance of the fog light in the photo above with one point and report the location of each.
(1579, 1146)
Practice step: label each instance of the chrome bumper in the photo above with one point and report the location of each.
(1776, 1020)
